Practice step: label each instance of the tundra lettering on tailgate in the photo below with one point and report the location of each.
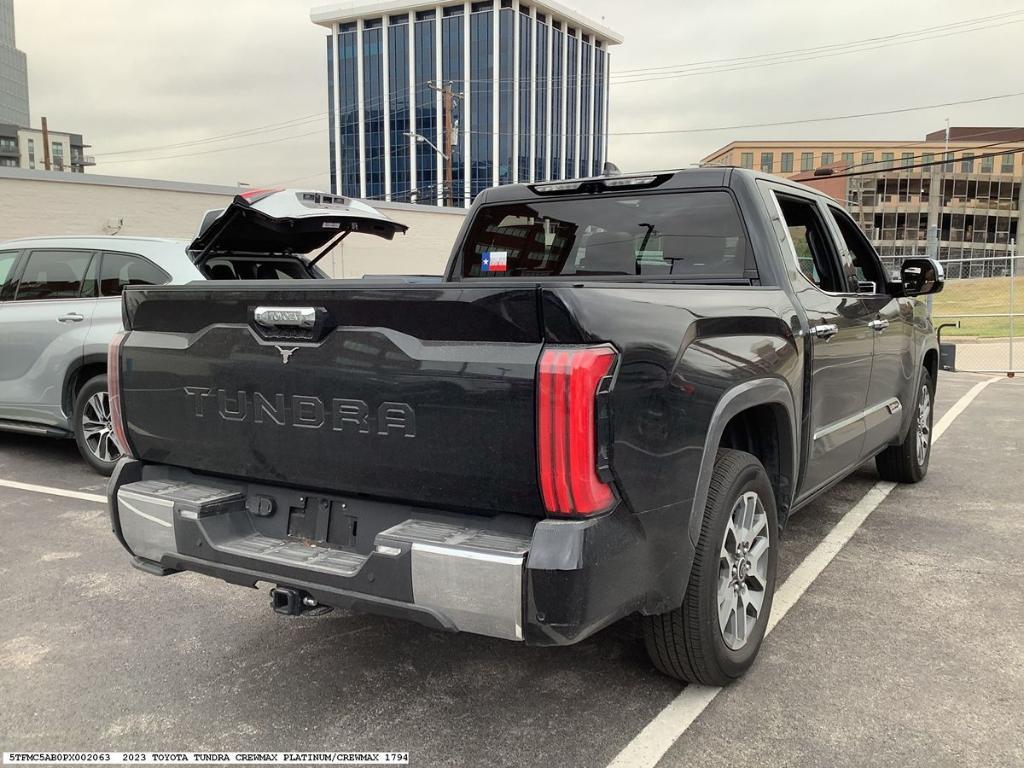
(304, 411)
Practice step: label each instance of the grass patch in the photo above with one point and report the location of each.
(980, 296)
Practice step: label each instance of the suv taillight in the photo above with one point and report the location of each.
(568, 382)
(114, 392)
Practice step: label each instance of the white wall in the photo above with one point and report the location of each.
(52, 203)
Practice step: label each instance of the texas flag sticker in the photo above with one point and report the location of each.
(494, 261)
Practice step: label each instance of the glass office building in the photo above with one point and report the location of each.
(531, 86)
(13, 72)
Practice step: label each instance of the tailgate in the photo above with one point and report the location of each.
(423, 394)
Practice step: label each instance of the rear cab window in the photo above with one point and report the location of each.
(675, 235)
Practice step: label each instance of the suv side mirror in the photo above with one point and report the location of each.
(921, 276)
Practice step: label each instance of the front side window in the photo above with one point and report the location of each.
(119, 270)
(695, 235)
(53, 275)
(865, 263)
(811, 242)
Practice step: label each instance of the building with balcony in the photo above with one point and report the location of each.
(24, 148)
(531, 96)
(13, 71)
(959, 199)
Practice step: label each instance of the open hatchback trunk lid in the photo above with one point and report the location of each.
(285, 221)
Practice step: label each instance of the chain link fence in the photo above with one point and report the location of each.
(980, 313)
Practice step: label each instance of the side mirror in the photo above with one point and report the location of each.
(921, 276)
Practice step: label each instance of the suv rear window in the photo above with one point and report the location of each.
(670, 235)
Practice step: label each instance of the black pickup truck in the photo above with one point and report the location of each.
(611, 404)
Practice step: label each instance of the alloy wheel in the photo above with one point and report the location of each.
(924, 424)
(98, 430)
(743, 570)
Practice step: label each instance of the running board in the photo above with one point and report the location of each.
(24, 428)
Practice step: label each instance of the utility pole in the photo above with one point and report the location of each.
(46, 146)
(448, 97)
(1013, 278)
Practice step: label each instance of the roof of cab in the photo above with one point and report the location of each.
(679, 178)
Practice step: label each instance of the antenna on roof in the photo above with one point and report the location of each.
(611, 169)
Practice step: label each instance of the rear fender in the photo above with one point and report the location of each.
(749, 394)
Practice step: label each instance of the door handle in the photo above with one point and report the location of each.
(71, 317)
(825, 332)
(878, 325)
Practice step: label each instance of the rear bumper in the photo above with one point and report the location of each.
(516, 578)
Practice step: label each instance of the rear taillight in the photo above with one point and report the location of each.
(114, 393)
(567, 387)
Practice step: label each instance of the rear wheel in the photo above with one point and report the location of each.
(908, 461)
(714, 636)
(93, 430)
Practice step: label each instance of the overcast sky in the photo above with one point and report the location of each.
(130, 74)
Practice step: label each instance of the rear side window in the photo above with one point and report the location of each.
(119, 270)
(685, 234)
(7, 259)
(54, 275)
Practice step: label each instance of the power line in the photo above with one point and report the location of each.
(800, 54)
(846, 174)
(257, 129)
(213, 151)
(862, 145)
(623, 78)
(853, 116)
(775, 63)
(821, 47)
(744, 126)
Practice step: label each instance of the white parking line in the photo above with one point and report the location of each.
(53, 491)
(658, 736)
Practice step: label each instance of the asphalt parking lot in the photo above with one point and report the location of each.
(907, 649)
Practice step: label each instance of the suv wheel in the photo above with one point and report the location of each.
(908, 461)
(714, 636)
(93, 431)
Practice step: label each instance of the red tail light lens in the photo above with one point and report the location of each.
(567, 388)
(114, 393)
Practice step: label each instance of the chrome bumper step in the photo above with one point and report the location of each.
(471, 576)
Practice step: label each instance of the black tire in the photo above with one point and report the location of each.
(902, 463)
(93, 447)
(689, 642)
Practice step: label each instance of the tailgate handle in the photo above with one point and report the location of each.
(285, 317)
